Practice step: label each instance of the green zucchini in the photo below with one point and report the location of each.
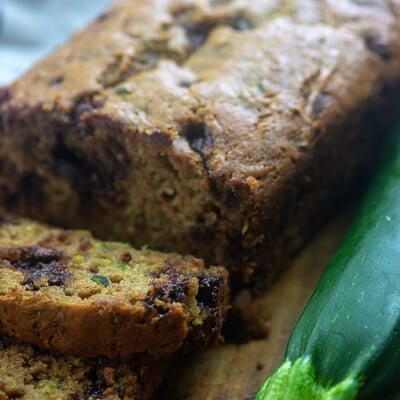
(346, 344)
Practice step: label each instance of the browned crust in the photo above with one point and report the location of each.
(108, 330)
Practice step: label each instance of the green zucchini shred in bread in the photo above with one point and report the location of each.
(27, 373)
(65, 291)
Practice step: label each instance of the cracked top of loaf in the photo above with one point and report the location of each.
(219, 59)
(233, 82)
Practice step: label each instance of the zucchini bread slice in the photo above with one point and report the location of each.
(65, 291)
(28, 373)
(225, 129)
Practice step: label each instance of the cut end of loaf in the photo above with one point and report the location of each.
(66, 291)
(32, 374)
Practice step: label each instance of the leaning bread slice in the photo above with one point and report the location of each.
(27, 373)
(65, 291)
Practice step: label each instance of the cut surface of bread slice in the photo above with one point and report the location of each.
(65, 291)
(27, 373)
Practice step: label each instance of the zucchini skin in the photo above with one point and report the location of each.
(350, 328)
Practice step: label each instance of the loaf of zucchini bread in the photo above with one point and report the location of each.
(28, 373)
(65, 291)
(226, 129)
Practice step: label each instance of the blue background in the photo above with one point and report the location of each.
(29, 29)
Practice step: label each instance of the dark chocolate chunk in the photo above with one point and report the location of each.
(126, 257)
(56, 82)
(321, 102)
(378, 45)
(170, 285)
(198, 136)
(197, 35)
(28, 257)
(6, 341)
(52, 272)
(97, 385)
(37, 262)
(104, 16)
(241, 23)
(209, 288)
(89, 176)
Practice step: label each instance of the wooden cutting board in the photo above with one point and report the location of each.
(235, 372)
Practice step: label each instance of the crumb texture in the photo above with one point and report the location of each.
(30, 374)
(64, 290)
